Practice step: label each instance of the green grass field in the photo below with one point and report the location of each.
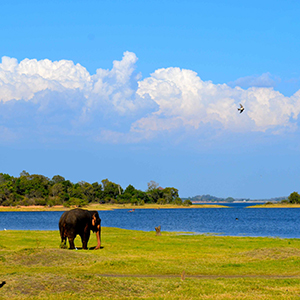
(141, 265)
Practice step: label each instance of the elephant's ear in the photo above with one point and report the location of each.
(94, 220)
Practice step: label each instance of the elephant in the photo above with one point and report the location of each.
(79, 221)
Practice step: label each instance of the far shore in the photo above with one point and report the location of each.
(105, 207)
(276, 205)
(129, 206)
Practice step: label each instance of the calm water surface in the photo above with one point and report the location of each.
(235, 220)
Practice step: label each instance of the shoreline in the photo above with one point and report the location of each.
(105, 207)
(276, 205)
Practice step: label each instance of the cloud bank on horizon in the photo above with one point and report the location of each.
(60, 98)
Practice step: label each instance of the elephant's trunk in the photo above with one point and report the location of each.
(98, 235)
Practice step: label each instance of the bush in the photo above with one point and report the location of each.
(66, 204)
(134, 201)
(187, 203)
(161, 201)
(77, 202)
(27, 201)
(284, 201)
(40, 201)
(9, 203)
(141, 202)
(177, 201)
(111, 201)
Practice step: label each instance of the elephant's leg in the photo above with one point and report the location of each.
(63, 241)
(63, 236)
(71, 242)
(84, 244)
(85, 238)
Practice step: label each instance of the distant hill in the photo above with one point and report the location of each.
(209, 198)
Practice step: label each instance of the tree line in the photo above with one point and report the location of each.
(34, 189)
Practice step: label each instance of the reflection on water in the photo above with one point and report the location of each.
(235, 220)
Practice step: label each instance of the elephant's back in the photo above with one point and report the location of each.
(75, 217)
(62, 218)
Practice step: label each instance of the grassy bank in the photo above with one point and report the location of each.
(104, 207)
(136, 264)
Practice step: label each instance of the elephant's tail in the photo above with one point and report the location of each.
(63, 236)
(63, 232)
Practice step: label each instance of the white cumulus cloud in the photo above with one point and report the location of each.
(23, 80)
(119, 104)
(185, 100)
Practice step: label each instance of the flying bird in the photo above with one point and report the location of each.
(241, 109)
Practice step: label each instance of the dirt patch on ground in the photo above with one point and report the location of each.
(48, 258)
(35, 284)
(198, 276)
(272, 254)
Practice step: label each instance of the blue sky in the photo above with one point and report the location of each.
(135, 91)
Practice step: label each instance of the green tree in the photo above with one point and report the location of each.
(142, 196)
(98, 190)
(170, 194)
(152, 185)
(5, 178)
(154, 195)
(154, 192)
(32, 186)
(111, 190)
(88, 191)
(57, 179)
(130, 190)
(56, 190)
(294, 197)
(68, 185)
(24, 174)
(76, 191)
(229, 199)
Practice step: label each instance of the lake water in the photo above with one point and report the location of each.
(233, 221)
